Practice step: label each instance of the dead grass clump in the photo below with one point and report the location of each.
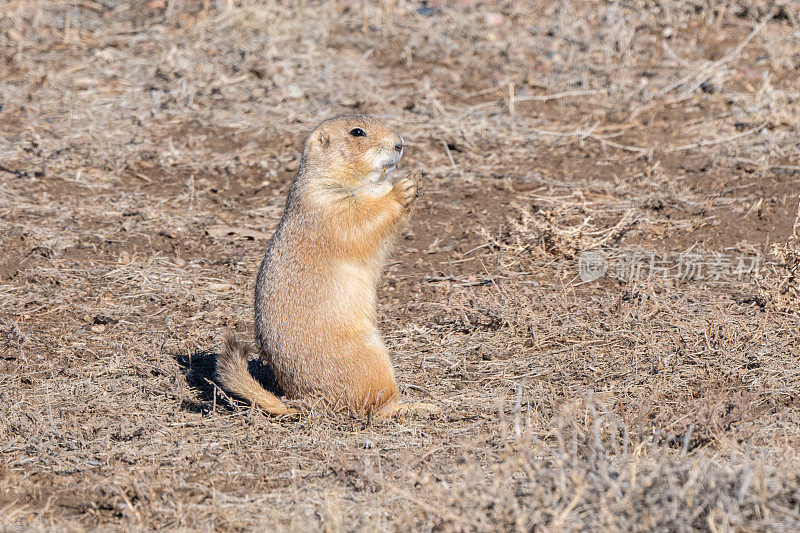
(586, 473)
(544, 229)
(781, 282)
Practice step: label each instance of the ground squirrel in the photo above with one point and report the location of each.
(315, 298)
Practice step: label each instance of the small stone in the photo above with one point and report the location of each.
(294, 91)
(493, 18)
(708, 87)
(102, 320)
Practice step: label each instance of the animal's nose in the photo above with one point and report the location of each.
(398, 145)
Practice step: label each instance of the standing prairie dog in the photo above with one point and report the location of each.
(315, 301)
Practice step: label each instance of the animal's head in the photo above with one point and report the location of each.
(352, 150)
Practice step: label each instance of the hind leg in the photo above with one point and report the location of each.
(364, 382)
(386, 403)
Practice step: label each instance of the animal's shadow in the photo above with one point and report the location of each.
(200, 371)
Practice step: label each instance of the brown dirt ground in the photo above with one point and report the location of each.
(145, 152)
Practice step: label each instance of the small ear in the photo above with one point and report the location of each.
(323, 139)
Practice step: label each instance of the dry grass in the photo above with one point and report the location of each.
(145, 152)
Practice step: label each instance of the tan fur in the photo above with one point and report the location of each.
(315, 301)
(229, 371)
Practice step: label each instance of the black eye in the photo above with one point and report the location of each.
(358, 132)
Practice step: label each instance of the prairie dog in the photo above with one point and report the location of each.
(315, 297)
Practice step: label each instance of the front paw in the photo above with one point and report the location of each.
(406, 190)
